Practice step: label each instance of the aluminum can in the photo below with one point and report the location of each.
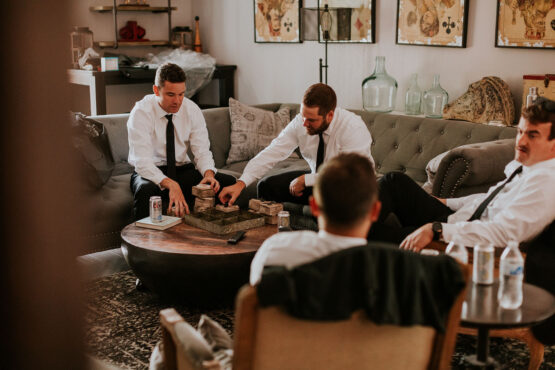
(482, 270)
(283, 221)
(156, 209)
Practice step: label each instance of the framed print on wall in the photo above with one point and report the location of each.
(432, 22)
(352, 21)
(525, 24)
(277, 21)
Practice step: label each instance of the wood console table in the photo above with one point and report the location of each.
(97, 82)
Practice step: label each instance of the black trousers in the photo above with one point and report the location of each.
(412, 206)
(276, 188)
(187, 177)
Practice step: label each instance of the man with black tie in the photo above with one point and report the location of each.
(517, 209)
(321, 131)
(162, 127)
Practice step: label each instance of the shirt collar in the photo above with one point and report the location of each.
(332, 125)
(340, 238)
(511, 166)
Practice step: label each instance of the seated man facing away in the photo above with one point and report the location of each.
(518, 208)
(162, 127)
(345, 201)
(320, 131)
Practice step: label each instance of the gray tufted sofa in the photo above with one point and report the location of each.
(401, 143)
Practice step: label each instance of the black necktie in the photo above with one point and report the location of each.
(320, 152)
(170, 147)
(482, 207)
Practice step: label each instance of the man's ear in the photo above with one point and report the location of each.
(156, 90)
(329, 116)
(313, 206)
(375, 211)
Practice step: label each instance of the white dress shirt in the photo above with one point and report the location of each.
(521, 211)
(295, 248)
(346, 133)
(147, 138)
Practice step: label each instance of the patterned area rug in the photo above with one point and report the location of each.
(123, 327)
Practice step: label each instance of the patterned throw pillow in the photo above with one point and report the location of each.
(253, 129)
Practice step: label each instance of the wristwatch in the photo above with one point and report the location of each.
(437, 228)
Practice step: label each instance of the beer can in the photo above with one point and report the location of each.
(156, 209)
(482, 270)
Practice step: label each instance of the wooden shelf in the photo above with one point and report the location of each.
(130, 8)
(111, 44)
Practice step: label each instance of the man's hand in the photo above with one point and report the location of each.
(176, 198)
(210, 179)
(442, 200)
(230, 193)
(418, 239)
(297, 186)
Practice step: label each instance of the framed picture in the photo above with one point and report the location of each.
(525, 24)
(432, 22)
(277, 21)
(352, 21)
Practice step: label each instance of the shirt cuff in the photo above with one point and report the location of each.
(449, 231)
(247, 179)
(310, 179)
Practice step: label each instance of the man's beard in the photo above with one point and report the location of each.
(320, 129)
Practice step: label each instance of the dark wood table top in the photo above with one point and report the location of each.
(481, 308)
(186, 239)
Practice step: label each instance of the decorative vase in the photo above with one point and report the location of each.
(413, 96)
(434, 100)
(379, 89)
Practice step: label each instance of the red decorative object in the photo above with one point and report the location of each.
(132, 32)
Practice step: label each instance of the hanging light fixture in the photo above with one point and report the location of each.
(325, 25)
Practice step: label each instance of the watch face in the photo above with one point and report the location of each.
(436, 227)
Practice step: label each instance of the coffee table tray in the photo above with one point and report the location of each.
(219, 222)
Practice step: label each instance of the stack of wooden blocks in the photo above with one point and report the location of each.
(204, 197)
(269, 209)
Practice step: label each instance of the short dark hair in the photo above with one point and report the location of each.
(542, 111)
(169, 72)
(322, 96)
(346, 189)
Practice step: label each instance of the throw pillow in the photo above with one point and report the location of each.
(253, 129)
(90, 140)
(214, 334)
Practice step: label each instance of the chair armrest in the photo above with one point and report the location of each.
(472, 168)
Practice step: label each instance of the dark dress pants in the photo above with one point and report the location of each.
(412, 206)
(276, 188)
(187, 177)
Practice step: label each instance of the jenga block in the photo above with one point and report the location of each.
(204, 202)
(254, 204)
(270, 208)
(271, 220)
(199, 209)
(203, 191)
(221, 207)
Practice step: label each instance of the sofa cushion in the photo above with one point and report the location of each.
(253, 129)
(116, 126)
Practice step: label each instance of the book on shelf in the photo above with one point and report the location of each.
(166, 223)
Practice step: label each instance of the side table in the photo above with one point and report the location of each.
(481, 311)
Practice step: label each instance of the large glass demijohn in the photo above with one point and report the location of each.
(379, 89)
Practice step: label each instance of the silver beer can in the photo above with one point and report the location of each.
(156, 209)
(482, 269)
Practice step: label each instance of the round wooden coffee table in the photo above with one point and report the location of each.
(184, 263)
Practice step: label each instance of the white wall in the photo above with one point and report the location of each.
(281, 72)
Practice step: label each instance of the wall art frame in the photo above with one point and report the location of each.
(525, 24)
(353, 21)
(277, 21)
(441, 23)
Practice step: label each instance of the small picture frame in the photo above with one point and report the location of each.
(432, 22)
(352, 21)
(277, 21)
(525, 24)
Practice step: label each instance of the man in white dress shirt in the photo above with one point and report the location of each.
(168, 117)
(518, 208)
(320, 131)
(345, 202)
